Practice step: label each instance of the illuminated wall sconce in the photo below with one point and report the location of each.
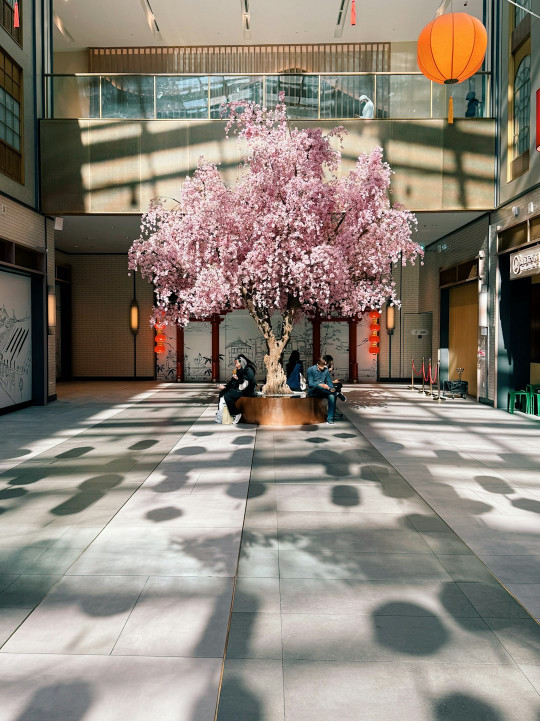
(390, 319)
(51, 309)
(134, 317)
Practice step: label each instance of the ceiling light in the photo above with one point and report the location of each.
(151, 20)
(62, 29)
(342, 14)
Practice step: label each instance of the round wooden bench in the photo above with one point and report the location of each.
(282, 410)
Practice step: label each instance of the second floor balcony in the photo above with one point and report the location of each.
(308, 97)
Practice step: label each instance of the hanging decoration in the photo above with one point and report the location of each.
(374, 327)
(451, 49)
(353, 12)
(16, 19)
(160, 338)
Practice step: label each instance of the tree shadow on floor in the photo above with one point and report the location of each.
(63, 700)
(462, 707)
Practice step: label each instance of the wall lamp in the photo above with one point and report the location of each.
(134, 317)
(390, 319)
(51, 309)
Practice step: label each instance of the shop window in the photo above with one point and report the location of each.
(7, 9)
(10, 118)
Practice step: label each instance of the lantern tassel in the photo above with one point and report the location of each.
(451, 110)
(353, 12)
(16, 22)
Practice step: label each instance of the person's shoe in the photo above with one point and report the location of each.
(236, 419)
(330, 421)
(338, 414)
(217, 419)
(341, 397)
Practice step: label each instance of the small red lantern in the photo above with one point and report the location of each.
(160, 338)
(374, 338)
(159, 349)
(374, 327)
(353, 12)
(374, 350)
(374, 315)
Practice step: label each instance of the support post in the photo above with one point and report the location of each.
(353, 364)
(179, 354)
(316, 338)
(215, 347)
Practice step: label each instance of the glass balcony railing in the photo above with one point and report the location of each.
(308, 97)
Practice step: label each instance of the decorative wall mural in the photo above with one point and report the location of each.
(198, 352)
(166, 362)
(335, 342)
(15, 340)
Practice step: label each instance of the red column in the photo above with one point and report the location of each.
(179, 354)
(353, 364)
(216, 320)
(316, 338)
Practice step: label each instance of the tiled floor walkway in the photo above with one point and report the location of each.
(365, 588)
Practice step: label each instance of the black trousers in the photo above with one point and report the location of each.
(230, 400)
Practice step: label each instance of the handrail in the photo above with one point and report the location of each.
(416, 73)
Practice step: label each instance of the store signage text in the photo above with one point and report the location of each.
(526, 262)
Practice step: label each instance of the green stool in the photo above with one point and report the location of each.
(511, 402)
(533, 389)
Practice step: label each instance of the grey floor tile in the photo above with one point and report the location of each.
(519, 636)
(320, 637)
(294, 521)
(196, 608)
(255, 563)
(515, 569)
(257, 595)
(528, 594)
(252, 690)
(255, 635)
(361, 566)
(317, 690)
(10, 620)
(27, 591)
(81, 615)
(18, 560)
(446, 543)
(493, 600)
(106, 688)
(351, 540)
(466, 569)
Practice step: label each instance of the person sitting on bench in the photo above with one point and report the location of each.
(320, 386)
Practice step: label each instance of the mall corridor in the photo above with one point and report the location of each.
(155, 565)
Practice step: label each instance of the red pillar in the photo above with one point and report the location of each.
(216, 320)
(353, 364)
(316, 338)
(179, 354)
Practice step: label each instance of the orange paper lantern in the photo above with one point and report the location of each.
(374, 350)
(374, 327)
(159, 349)
(160, 338)
(451, 48)
(374, 338)
(374, 315)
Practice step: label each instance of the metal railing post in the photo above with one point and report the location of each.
(100, 98)
(423, 389)
(155, 98)
(411, 387)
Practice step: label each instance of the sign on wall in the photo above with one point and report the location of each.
(525, 262)
(15, 340)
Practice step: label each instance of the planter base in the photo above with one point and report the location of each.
(282, 411)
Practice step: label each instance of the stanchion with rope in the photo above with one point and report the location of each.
(423, 389)
(413, 373)
(439, 398)
(430, 392)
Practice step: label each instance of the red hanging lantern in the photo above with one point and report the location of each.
(159, 349)
(374, 350)
(353, 12)
(16, 19)
(374, 338)
(160, 338)
(374, 315)
(374, 327)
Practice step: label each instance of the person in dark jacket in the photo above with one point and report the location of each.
(293, 369)
(320, 386)
(245, 370)
(338, 385)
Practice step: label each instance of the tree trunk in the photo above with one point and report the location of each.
(276, 381)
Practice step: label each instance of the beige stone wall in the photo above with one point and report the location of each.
(102, 340)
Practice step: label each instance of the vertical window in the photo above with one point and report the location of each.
(10, 118)
(522, 101)
(521, 12)
(7, 11)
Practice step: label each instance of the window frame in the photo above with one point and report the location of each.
(6, 20)
(11, 81)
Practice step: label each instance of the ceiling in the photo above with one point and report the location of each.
(121, 23)
(115, 233)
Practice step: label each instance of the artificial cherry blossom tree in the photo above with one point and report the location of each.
(288, 238)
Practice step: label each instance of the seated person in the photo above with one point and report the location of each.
(293, 371)
(245, 371)
(320, 386)
(232, 384)
(338, 385)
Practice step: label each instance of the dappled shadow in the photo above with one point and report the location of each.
(12, 493)
(242, 440)
(408, 628)
(75, 452)
(90, 491)
(158, 515)
(317, 440)
(346, 496)
(493, 484)
(63, 700)
(236, 700)
(367, 398)
(526, 504)
(462, 707)
(142, 445)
